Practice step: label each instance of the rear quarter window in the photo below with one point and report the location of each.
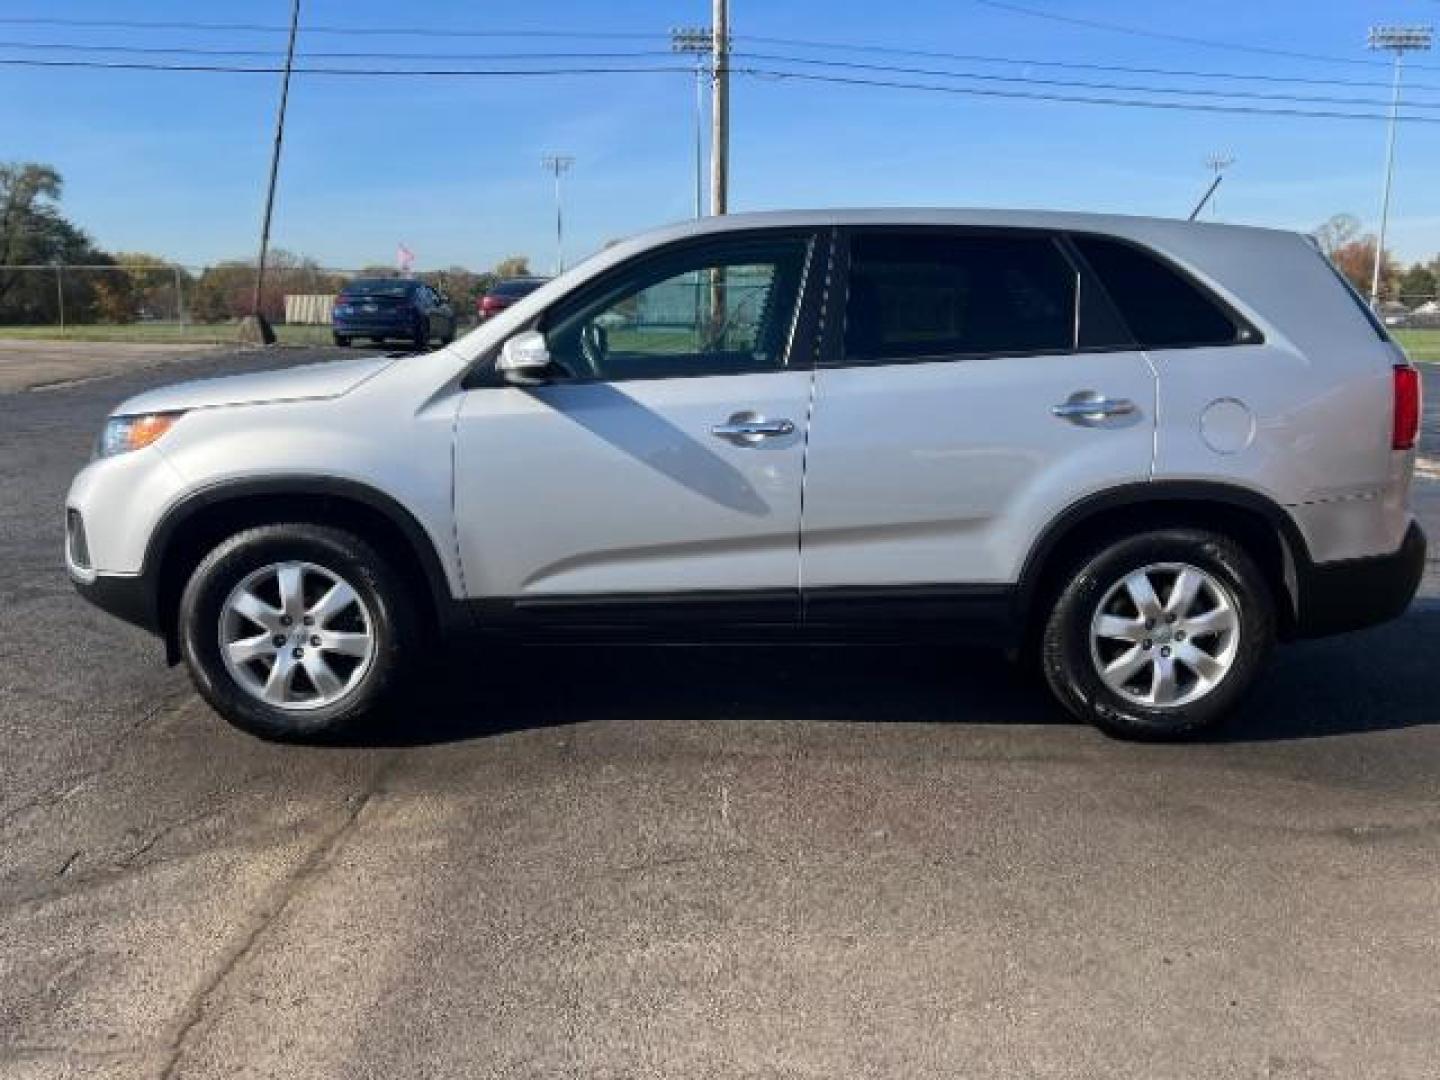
(1162, 307)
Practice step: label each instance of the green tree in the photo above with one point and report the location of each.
(141, 286)
(33, 232)
(1418, 284)
(463, 287)
(1356, 260)
(226, 290)
(1335, 232)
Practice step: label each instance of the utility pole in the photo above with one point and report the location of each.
(696, 40)
(558, 164)
(1398, 40)
(720, 114)
(267, 336)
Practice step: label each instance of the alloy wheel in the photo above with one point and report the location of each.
(296, 636)
(1165, 635)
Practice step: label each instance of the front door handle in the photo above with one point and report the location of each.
(749, 428)
(1088, 406)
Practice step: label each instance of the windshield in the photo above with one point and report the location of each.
(379, 287)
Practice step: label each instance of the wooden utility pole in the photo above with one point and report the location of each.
(267, 336)
(720, 108)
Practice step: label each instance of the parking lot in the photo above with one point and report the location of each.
(763, 861)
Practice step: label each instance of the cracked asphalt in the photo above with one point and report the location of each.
(635, 862)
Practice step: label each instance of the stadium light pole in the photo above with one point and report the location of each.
(558, 164)
(1217, 163)
(696, 40)
(1398, 40)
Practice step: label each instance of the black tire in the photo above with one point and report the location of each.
(377, 341)
(342, 341)
(395, 627)
(449, 336)
(1070, 667)
(422, 334)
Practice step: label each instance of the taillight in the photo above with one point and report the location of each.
(1407, 408)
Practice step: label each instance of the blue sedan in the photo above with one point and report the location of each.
(392, 308)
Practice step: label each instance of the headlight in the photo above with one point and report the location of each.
(125, 433)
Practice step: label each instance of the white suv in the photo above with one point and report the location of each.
(1137, 450)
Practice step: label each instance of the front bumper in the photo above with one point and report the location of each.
(1355, 593)
(126, 596)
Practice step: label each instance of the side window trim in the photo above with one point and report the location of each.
(833, 353)
(1092, 293)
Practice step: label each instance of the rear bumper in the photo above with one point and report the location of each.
(362, 328)
(1356, 593)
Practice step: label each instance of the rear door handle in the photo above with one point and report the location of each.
(1087, 405)
(749, 428)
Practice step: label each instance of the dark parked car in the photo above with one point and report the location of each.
(390, 308)
(504, 293)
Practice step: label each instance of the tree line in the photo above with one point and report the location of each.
(127, 286)
(1353, 254)
(132, 285)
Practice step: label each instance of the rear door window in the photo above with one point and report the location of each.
(936, 294)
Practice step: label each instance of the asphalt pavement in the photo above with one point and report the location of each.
(760, 862)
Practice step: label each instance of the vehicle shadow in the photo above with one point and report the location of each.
(1377, 680)
(648, 438)
(1382, 679)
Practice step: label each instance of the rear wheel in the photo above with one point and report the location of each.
(342, 341)
(422, 333)
(1158, 636)
(295, 631)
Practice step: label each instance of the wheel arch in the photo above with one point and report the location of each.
(1258, 523)
(193, 526)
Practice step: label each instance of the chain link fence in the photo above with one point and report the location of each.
(170, 302)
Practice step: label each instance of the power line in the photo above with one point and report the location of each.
(186, 50)
(1160, 35)
(937, 54)
(1134, 103)
(619, 35)
(243, 69)
(631, 35)
(760, 72)
(271, 28)
(190, 50)
(1077, 85)
(1129, 88)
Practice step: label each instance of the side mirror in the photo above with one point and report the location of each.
(525, 360)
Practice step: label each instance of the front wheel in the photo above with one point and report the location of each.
(295, 631)
(342, 341)
(422, 334)
(1159, 636)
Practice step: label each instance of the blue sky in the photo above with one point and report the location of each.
(175, 163)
